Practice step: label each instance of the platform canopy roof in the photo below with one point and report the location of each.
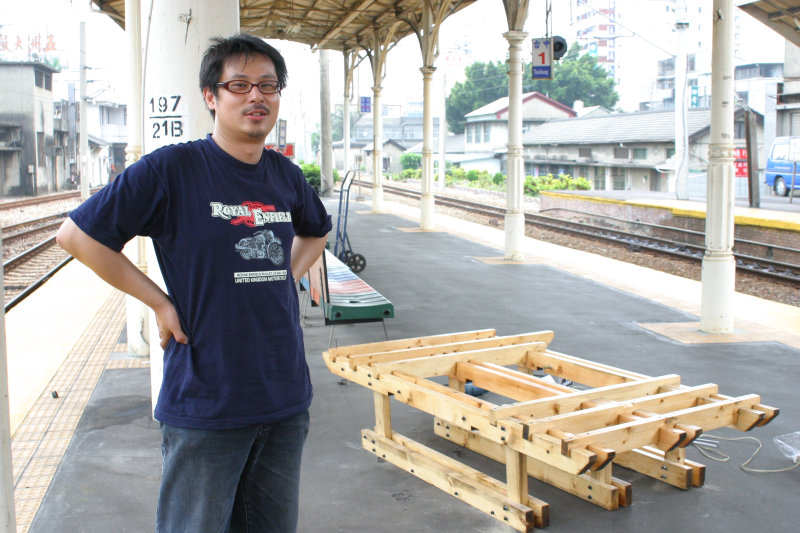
(333, 24)
(783, 16)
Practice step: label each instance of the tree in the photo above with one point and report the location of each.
(575, 77)
(486, 82)
(337, 124)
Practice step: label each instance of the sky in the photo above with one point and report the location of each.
(51, 27)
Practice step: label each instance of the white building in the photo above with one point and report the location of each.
(637, 45)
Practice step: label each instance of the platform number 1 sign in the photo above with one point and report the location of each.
(542, 59)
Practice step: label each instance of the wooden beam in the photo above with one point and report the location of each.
(572, 402)
(476, 488)
(647, 431)
(383, 414)
(439, 349)
(609, 412)
(444, 365)
(399, 344)
(609, 496)
(653, 463)
(506, 382)
(580, 370)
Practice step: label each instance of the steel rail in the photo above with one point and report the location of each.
(35, 285)
(636, 242)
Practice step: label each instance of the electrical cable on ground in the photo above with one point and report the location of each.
(715, 455)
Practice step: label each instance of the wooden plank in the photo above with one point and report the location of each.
(465, 483)
(383, 414)
(605, 495)
(650, 463)
(648, 431)
(608, 413)
(580, 370)
(572, 402)
(516, 475)
(506, 382)
(600, 366)
(446, 403)
(444, 365)
(440, 349)
(399, 344)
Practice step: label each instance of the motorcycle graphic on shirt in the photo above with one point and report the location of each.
(262, 245)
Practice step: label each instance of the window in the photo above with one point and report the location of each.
(600, 178)
(640, 153)
(469, 133)
(487, 133)
(618, 176)
(621, 153)
(670, 152)
(584, 152)
(739, 129)
(39, 78)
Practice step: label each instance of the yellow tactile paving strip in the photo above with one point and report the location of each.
(41, 440)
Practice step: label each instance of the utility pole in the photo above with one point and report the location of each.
(681, 140)
(84, 119)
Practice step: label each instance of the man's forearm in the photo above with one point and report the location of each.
(306, 250)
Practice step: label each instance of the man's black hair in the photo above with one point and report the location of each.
(243, 46)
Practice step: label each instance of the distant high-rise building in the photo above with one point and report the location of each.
(636, 40)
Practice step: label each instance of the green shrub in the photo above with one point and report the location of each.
(312, 173)
(410, 161)
(533, 186)
(473, 175)
(498, 179)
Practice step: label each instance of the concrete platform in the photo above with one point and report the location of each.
(453, 279)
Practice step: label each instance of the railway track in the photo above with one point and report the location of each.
(26, 272)
(684, 244)
(30, 253)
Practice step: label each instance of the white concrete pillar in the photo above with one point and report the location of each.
(136, 312)
(719, 267)
(377, 152)
(515, 217)
(8, 521)
(326, 138)
(427, 208)
(174, 110)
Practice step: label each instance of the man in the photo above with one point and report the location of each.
(233, 226)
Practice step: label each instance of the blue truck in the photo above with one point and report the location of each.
(783, 165)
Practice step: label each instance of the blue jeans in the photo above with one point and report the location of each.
(233, 480)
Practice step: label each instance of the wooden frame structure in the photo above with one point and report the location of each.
(565, 436)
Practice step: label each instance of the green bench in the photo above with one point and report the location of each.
(344, 297)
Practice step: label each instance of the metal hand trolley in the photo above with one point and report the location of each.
(342, 248)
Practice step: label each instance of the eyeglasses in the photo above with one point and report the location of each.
(244, 86)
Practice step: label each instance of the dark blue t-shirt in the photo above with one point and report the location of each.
(222, 231)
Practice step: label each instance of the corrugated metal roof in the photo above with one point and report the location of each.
(333, 24)
(655, 126)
